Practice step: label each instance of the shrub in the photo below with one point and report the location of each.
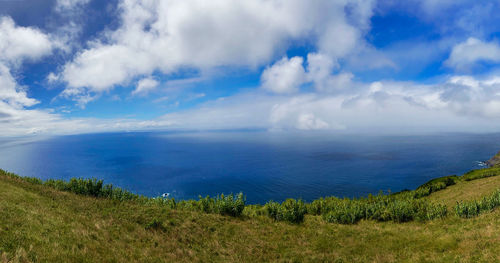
(402, 210)
(346, 213)
(272, 208)
(474, 208)
(315, 207)
(434, 211)
(290, 210)
(467, 210)
(230, 205)
(207, 204)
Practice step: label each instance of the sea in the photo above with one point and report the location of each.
(262, 165)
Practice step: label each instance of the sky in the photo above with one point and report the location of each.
(336, 66)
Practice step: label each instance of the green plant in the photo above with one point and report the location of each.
(290, 210)
(230, 205)
(475, 207)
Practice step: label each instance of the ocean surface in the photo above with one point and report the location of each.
(264, 166)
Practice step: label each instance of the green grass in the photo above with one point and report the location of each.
(402, 207)
(44, 223)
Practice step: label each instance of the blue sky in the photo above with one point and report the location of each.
(76, 66)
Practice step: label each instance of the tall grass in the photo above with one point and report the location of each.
(231, 205)
(474, 208)
(290, 210)
(398, 207)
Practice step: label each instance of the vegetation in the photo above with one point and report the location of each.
(84, 220)
(440, 183)
(290, 210)
(400, 207)
(482, 173)
(382, 208)
(475, 207)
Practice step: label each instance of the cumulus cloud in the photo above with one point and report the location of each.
(285, 76)
(144, 86)
(169, 35)
(20, 43)
(465, 55)
(11, 92)
(320, 71)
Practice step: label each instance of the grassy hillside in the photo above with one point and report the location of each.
(42, 224)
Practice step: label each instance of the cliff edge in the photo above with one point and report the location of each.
(494, 161)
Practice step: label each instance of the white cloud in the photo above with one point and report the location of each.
(11, 92)
(52, 78)
(22, 122)
(320, 71)
(169, 35)
(307, 121)
(285, 76)
(461, 103)
(105, 66)
(320, 67)
(19, 43)
(144, 86)
(465, 55)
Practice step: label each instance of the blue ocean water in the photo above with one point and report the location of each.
(264, 166)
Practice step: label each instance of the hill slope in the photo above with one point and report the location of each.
(38, 223)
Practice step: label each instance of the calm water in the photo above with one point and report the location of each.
(264, 166)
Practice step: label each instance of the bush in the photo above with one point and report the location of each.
(346, 213)
(290, 210)
(435, 211)
(315, 207)
(467, 210)
(207, 204)
(474, 208)
(230, 205)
